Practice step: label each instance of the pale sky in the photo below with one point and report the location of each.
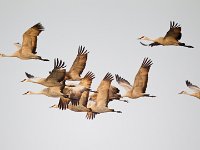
(109, 30)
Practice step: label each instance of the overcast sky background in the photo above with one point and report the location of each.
(109, 30)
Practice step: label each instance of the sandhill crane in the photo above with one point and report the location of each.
(28, 48)
(74, 92)
(82, 106)
(78, 65)
(50, 91)
(171, 38)
(101, 103)
(55, 78)
(194, 88)
(113, 95)
(140, 84)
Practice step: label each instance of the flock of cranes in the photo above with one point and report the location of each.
(80, 97)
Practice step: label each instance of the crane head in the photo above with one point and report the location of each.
(27, 93)
(24, 80)
(54, 106)
(2, 55)
(141, 38)
(182, 92)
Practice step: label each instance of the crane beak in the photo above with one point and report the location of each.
(181, 92)
(53, 106)
(23, 80)
(140, 37)
(25, 93)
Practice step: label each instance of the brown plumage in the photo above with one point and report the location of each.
(55, 78)
(28, 48)
(56, 91)
(78, 65)
(140, 83)
(64, 103)
(81, 97)
(113, 94)
(101, 103)
(194, 88)
(172, 37)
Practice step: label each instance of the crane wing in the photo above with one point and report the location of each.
(86, 81)
(103, 91)
(192, 87)
(174, 31)
(58, 73)
(114, 93)
(93, 96)
(141, 79)
(123, 82)
(79, 63)
(29, 75)
(29, 43)
(114, 89)
(63, 103)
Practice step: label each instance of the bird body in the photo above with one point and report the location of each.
(113, 95)
(74, 74)
(55, 78)
(101, 103)
(194, 88)
(140, 83)
(77, 94)
(27, 50)
(50, 92)
(81, 106)
(172, 37)
(75, 91)
(162, 41)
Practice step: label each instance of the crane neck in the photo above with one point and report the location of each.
(11, 55)
(148, 39)
(39, 92)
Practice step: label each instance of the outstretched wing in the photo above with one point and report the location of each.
(192, 87)
(63, 103)
(123, 82)
(114, 89)
(86, 81)
(58, 73)
(29, 75)
(29, 43)
(174, 31)
(114, 93)
(93, 97)
(141, 79)
(79, 63)
(103, 91)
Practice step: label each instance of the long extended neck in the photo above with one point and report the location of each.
(190, 94)
(7, 55)
(148, 39)
(54, 106)
(39, 92)
(186, 93)
(36, 80)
